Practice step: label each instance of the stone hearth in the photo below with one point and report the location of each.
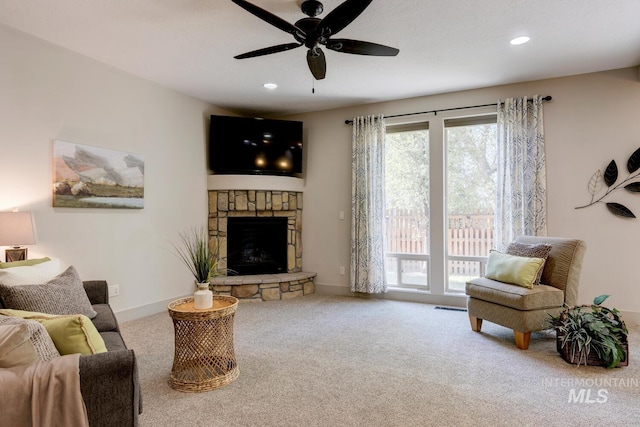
(260, 203)
(265, 287)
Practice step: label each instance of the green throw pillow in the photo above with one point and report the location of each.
(512, 269)
(71, 334)
(24, 263)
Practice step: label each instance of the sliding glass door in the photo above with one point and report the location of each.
(440, 184)
(470, 197)
(407, 206)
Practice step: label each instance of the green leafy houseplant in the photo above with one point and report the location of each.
(591, 330)
(195, 253)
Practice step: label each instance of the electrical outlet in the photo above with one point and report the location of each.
(114, 290)
(341, 215)
(342, 271)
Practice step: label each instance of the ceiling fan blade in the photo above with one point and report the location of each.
(342, 16)
(268, 50)
(317, 63)
(269, 17)
(361, 48)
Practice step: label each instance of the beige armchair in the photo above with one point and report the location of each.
(525, 310)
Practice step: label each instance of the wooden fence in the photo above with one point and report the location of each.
(407, 231)
(468, 235)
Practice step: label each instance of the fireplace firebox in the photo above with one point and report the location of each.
(257, 245)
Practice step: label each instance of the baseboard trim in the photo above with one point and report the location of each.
(409, 295)
(337, 290)
(145, 310)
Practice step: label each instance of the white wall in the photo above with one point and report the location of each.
(49, 93)
(591, 120)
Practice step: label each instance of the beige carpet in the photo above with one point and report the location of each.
(341, 361)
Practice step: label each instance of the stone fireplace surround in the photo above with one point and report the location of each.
(260, 203)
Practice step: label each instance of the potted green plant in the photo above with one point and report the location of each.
(591, 335)
(196, 254)
(202, 262)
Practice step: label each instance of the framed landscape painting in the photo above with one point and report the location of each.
(92, 177)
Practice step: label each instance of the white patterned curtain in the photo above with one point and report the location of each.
(367, 205)
(521, 204)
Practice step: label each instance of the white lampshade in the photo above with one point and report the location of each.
(16, 228)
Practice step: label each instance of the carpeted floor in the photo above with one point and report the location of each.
(340, 361)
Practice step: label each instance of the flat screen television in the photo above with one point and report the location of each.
(255, 146)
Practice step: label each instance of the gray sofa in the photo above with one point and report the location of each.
(109, 381)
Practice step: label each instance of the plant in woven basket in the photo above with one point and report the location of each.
(196, 254)
(591, 331)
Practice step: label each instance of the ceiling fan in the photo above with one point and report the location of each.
(312, 32)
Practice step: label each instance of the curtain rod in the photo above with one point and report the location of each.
(435, 112)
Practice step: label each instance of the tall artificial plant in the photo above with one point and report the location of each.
(196, 254)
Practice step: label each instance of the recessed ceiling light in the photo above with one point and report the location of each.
(519, 40)
(270, 85)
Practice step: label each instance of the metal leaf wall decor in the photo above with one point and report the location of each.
(609, 179)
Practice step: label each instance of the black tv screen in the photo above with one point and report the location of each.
(255, 146)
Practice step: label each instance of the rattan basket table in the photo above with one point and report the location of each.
(204, 357)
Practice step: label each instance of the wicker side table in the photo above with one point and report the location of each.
(204, 357)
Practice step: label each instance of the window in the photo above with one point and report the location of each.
(407, 206)
(470, 196)
(440, 189)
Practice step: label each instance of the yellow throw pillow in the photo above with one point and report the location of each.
(512, 269)
(71, 334)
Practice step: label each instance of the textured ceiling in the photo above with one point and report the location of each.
(445, 46)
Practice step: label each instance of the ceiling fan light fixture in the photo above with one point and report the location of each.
(519, 40)
(313, 32)
(311, 8)
(270, 86)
